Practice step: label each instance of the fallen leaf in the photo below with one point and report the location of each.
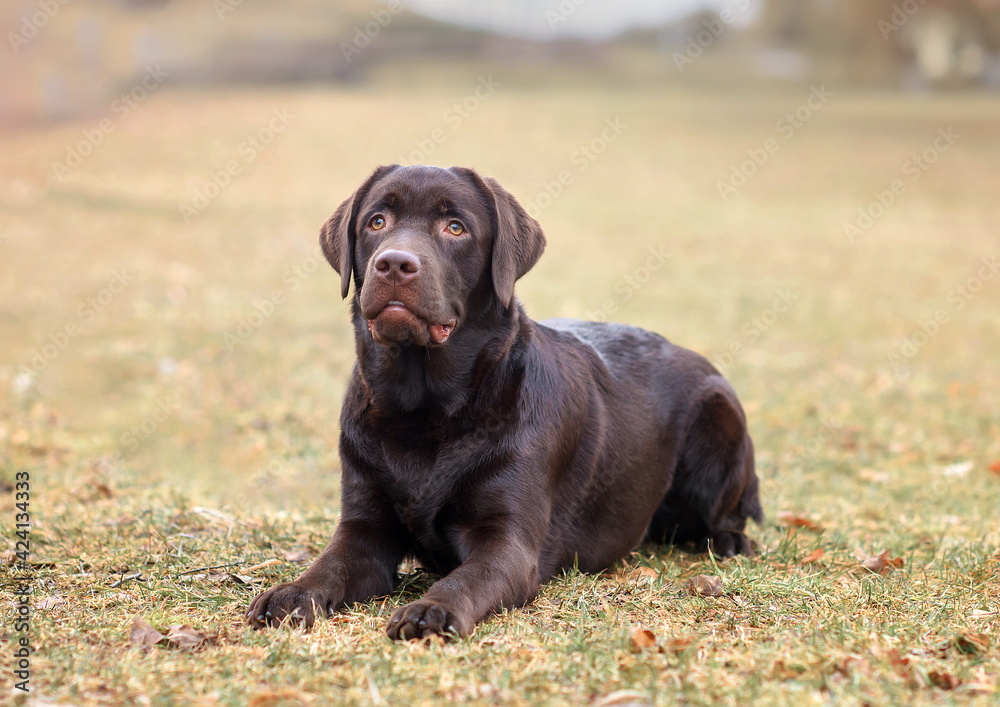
(873, 476)
(266, 563)
(784, 671)
(278, 698)
(641, 638)
(214, 516)
(633, 574)
(946, 681)
(900, 663)
(789, 518)
(297, 555)
(959, 469)
(144, 635)
(995, 467)
(640, 572)
(847, 665)
(679, 644)
(975, 688)
(187, 637)
(705, 586)
(239, 579)
(814, 556)
(972, 643)
(622, 698)
(883, 563)
(49, 602)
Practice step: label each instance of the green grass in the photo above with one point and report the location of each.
(236, 464)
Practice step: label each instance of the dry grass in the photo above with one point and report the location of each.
(239, 467)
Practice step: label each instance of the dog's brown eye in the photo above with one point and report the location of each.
(455, 228)
(376, 223)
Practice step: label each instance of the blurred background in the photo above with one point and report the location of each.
(803, 191)
(67, 57)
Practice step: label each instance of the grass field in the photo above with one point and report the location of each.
(170, 380)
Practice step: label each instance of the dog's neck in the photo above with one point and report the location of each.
(441, 380)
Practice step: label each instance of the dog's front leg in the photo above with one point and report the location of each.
(500, 571)
(360, 562)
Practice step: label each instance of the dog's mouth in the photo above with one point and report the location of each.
(397, 322)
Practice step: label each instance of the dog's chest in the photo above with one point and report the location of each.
(421, 483)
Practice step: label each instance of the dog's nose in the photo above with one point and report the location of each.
(397, 265)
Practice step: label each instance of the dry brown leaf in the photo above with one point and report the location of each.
(144, 635)
(943, 680)
(976, 688)
(972, 643)
(297, 555)
(632, 574)
(900, 663)
(266, 563)
(641, 639)
(847, 665)
(622, 698)
(705, 586)
(783, 671)
(214, 516)
(883, 564)
(187, 637)
(794, 520)
(244, 579)
(679, 644)
(49, 602)
(640, 572)
(814, 556)
(278, 698)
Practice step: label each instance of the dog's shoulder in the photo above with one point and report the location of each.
(626, 349)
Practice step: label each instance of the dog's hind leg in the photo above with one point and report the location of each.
(714, 488)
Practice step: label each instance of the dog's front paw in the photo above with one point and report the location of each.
(289, 603)
(729, 543)
(426, 618)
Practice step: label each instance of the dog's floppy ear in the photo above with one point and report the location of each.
(519, 239)
(519, 242)
(338, 233)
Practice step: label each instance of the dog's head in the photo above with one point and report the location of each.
(428, 249)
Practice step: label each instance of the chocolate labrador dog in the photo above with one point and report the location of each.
(494, 449)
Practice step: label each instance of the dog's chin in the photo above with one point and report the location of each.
(398, 325)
